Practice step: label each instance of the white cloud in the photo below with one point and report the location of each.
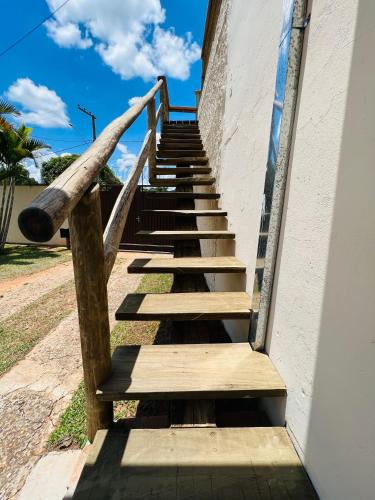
(134, 100)
(40, 156)
(40, 105)
(67, 35)
(126, 34)
(125, 162)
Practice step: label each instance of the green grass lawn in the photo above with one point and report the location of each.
(18, 260)
(72, 423)
(21, 331)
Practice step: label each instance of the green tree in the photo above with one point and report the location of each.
(6, 109)
(15, 146)
(56, 166)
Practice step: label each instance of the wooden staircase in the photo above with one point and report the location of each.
(192, 459)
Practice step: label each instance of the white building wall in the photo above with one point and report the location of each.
(322, 326)
(235, 117)
(321, 333)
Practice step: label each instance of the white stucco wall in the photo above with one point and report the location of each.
(23, 196)
(322, 326)
(235, 116)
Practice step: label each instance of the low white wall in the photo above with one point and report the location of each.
(322, 326)
(235, 117)
(23, 197)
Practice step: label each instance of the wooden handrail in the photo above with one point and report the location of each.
(183, 109)
(43, 217)
(164, 99)
(119, 214)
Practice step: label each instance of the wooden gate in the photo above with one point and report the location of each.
(137, 221)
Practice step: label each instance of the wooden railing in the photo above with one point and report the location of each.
(75, 194)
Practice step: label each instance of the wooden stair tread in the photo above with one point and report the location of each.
(188, 181)
(178, 146)
(187, 235)
(183, 194)
(254, 463)
(175, 153)
(180, 135)
(185, 306)
(188, 213)
(184, 371)
(194, 160)
(182, 170)
(181, 265)
(181, 141)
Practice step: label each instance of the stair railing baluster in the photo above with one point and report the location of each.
(85, 224)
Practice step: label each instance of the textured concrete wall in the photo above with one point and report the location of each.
(235, 116)
(23, 196)
(322, 327)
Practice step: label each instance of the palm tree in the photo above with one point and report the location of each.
(6, 109)
(15, 146)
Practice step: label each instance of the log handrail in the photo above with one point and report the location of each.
(116, 223)
(43, 217)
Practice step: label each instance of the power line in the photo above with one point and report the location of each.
(19, 40)
(57, 140)
(63, 150)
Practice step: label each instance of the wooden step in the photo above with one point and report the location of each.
(188, 213)
(191, 127)
(254, 463)
(178, 122)
(173, 140)
(187, 265)
(187, 235)
(173, 153)
(186, 371)
(183, 194)
(182, 170)
(185, 306)
(177, 146)
(179, 135)
(186, 181)
(185, 160)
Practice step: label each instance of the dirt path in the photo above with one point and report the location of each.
(18, 292)
(34, 393)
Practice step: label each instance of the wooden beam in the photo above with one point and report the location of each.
(184, 371)
(187, 213)
(183, 109)
(195, 306)
(187, 265)
(116, 223)
(164, 99)
(85, 225)
(184, 181)
(188, 235)
(43, 217)
(183, 195)
(151, 123)
(253, 463)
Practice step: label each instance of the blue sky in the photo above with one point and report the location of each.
(100, 54)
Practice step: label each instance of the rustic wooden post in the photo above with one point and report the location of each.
(88, 261)
(164, 99)
(151, 123)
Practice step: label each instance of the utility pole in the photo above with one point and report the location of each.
(93, 118)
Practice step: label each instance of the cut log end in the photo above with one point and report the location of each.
(36, 224)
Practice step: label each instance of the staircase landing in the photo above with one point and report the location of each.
(256, 463)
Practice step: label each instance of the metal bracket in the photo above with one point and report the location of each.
(306, 22)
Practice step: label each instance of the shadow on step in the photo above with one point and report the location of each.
(193, 464)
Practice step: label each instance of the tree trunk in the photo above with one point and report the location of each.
(6, 213)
